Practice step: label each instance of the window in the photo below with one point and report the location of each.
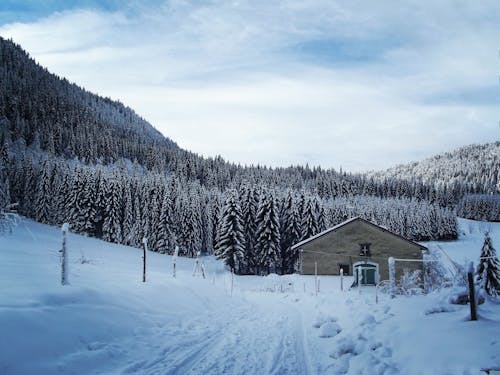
(364, 249)
(344, 268)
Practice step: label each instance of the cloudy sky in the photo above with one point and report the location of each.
(358, 84)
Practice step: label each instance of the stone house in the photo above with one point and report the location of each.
(357, 243)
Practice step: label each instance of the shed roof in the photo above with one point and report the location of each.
(356, 218)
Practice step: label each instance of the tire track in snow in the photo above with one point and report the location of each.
(253, 339)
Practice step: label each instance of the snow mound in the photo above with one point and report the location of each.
(322, 319)
(345, 346)
(441, 308)
(330, 329)
(368, 320)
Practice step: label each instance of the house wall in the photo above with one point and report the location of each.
(342, 246)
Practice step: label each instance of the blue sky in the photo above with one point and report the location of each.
(362, 85)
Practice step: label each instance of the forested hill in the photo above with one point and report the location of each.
(63, 119)
(67, 155)
(475, 167)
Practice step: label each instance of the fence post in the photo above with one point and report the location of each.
(64, 255)
(392, 276)
(145, 247)
(174, 259)
(316, 277)
(359, 277)
(341, 279)
(232, 281)
(472, 292)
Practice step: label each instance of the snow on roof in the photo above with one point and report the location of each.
(307, 240)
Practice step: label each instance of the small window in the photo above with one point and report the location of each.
(344, 268)
(364, 249)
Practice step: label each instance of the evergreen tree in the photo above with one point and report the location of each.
(290, 234)
(488, 269)
(112, 226)
(230, 244)
(249, 212)
(44, 194)
(128, 216)
(267, 246)
(4, 175)
(309, 224)
(166, 236)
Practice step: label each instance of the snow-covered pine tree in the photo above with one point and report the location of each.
(488, 269)
(189, 237)
(309, 224)
(112, 226)
(267, 246)
(44, 194)
(249, 212)
(166, 236)
(4, 175)
(154, 219)
(230, 243)
(289, 233)
(321, 216)
(206, 225)
(89, 204)
(135, 234)
(128, 214)
(76, 215)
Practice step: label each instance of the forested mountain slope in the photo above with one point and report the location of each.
(475, 168)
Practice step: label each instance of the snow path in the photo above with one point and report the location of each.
(233, 341)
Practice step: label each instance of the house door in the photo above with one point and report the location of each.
(367, 273)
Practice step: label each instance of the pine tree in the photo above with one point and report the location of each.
(74, 201)
(44, 194)
(4, 175)
(112, 226)
(488, 269)
(230, 243)
(309, 224)
(290, 234)
(128, 216)
(249, 212)
(267, 247)
(166, 236)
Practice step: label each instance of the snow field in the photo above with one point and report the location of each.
(108, 321)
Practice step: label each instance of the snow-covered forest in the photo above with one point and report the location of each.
(71, 156)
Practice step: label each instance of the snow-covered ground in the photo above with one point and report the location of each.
(109, 322)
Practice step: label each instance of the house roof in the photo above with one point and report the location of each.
(356, 218)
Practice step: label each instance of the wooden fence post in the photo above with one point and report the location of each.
(174, 259)
(64, 255)
(341, 279)
(472, 292)
(316, 277)
(145, 247)
(232, 281)
(392, 276)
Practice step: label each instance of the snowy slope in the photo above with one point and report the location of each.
(108, 321)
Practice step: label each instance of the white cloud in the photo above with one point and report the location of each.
(226, 79)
